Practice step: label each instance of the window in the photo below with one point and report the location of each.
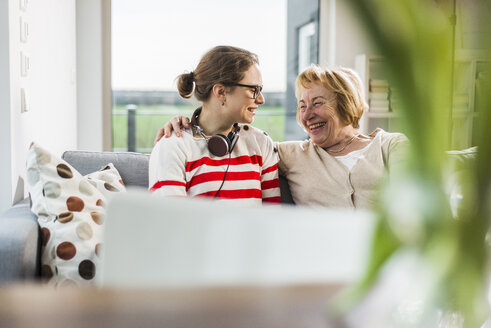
(154, 41)
(307, 49)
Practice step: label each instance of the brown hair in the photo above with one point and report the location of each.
(344, 83)
(223, 64)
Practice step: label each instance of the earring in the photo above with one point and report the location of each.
(223, 103)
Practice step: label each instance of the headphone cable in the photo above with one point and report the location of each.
(224, 176)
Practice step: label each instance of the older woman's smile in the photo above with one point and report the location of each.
(318, 114)
(316, 126)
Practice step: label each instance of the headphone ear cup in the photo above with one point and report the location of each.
(219, 145)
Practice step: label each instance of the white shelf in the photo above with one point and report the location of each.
(371, 67)
(467, 68)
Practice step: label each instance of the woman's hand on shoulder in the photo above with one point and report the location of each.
(174, 124)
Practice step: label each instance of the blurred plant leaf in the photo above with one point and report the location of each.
(415, 38)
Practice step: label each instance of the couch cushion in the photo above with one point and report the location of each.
(461, 159)
(460, 164)
(70, 210)
(19, 244)
(132, 167)
(286, 196)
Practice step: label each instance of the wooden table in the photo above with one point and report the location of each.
(43, 306)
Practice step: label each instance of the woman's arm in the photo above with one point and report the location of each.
(167, 171)
(270, 184)
(174, 124)
(396, 153)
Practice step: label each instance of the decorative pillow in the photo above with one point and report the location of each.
(70, 211)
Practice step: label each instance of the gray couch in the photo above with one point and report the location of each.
(20, 237)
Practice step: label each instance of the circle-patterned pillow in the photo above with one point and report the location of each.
(70, 211)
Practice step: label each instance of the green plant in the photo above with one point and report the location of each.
(415, 37)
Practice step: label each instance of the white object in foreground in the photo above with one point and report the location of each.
(151, 242)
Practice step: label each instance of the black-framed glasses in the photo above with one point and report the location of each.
(257, 89)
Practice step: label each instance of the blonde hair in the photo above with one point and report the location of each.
(344, 83)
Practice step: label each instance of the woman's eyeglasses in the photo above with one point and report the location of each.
(257, 89)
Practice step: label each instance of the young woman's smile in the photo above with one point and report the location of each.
(241, 101)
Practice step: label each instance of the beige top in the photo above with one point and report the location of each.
(316, 178)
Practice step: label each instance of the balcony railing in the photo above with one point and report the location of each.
(142, 125)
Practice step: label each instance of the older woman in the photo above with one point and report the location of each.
(337, 166)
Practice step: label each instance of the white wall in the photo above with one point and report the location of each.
(57, 36)
(5, 135)
(94, 95)
(50, 84)
(341, 36)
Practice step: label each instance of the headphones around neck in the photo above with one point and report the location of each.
(218, 145)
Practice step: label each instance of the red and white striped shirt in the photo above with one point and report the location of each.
(184, 167)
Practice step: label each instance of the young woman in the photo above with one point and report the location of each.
(220, 156)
